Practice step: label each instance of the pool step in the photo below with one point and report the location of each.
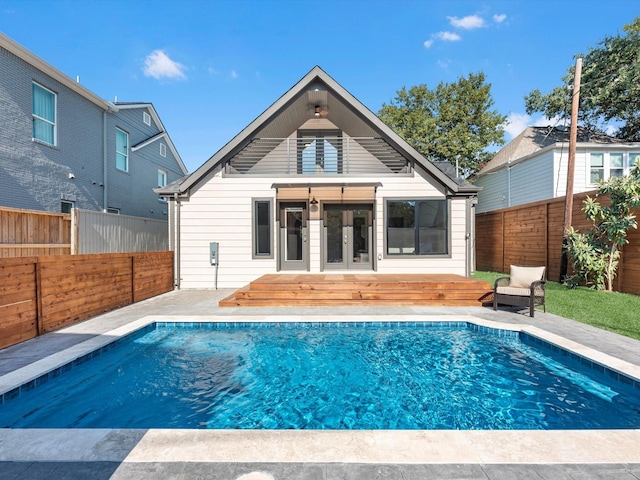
(360, 289)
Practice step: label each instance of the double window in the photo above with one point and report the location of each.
(122, 150)
(603, 165)
(262, 228)
(417, 227)
(44, 115)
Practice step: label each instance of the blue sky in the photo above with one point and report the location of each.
(211, 67)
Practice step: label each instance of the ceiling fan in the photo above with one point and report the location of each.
(319, 112)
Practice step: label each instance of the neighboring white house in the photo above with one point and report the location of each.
(533, 166)
(317, 183)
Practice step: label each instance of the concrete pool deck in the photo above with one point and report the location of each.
(164, 454)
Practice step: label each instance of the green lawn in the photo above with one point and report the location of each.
(617, 312)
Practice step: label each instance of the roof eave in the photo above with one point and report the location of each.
(37, 62)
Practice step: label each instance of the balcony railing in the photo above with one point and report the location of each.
(318, 156)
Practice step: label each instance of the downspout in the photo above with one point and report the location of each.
(509, 182)
(104, 161)
(176, 243)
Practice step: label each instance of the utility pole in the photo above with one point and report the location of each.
(573, 135)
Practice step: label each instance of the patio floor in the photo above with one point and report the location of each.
(165, 454)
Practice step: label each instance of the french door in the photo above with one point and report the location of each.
(293, 237)
(347, 237)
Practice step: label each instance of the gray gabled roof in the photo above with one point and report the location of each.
(291, 110)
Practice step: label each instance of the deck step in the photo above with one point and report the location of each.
(360, 289)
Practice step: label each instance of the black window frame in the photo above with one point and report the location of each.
(441, 223)
(258, 234)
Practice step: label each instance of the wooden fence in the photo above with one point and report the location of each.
(32, 233)
(531, 234)
(42, 294)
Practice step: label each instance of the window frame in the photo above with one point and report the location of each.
(125, 154)
(163, 150)
(146, 118)
(38, 118)
(256, 242)
(601, 168)
(621, 168)
(319, 136)
(71, 205)
(162, 184)
(418, 229)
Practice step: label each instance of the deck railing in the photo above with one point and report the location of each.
(318, 156)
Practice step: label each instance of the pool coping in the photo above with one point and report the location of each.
(364, 446)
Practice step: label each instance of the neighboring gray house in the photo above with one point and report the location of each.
(533, 166)
(61, 146)
(318, 183)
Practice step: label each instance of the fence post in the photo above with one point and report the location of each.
(39, 316)
(133, 278)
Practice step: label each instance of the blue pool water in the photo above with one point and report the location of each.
(326, 376)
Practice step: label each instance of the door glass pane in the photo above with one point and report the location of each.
(330, 162)
(361, 235)
(293, 239)
(309, 157)
(334, 236)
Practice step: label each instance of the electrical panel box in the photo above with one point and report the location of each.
(213, 253)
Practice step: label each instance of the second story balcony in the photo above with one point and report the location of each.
(318, 155)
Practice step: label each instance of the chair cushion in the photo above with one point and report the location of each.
(523, 277)
(520, 292)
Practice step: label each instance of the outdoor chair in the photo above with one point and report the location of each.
(524, 287)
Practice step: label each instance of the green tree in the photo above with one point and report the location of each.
(452, 122)
(596, 252)
(610, 86)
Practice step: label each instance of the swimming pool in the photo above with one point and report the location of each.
(431, 375)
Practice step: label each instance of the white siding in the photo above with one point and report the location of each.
(220, 211)
(523, 182)
(532, 180)
(493, 195)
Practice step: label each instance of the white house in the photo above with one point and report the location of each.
(533, 166)
(317, 183)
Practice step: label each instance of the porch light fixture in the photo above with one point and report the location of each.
(313, 201)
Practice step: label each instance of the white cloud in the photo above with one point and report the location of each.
(234, 74)
(499, 18)
(468, 23)
(516, 123)
(548, 122)
(159, 65)
(448, 36)
(444, 36)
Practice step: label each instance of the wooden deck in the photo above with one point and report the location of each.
(360, 289)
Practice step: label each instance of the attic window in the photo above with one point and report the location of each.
(146, 118)
(163, 150)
